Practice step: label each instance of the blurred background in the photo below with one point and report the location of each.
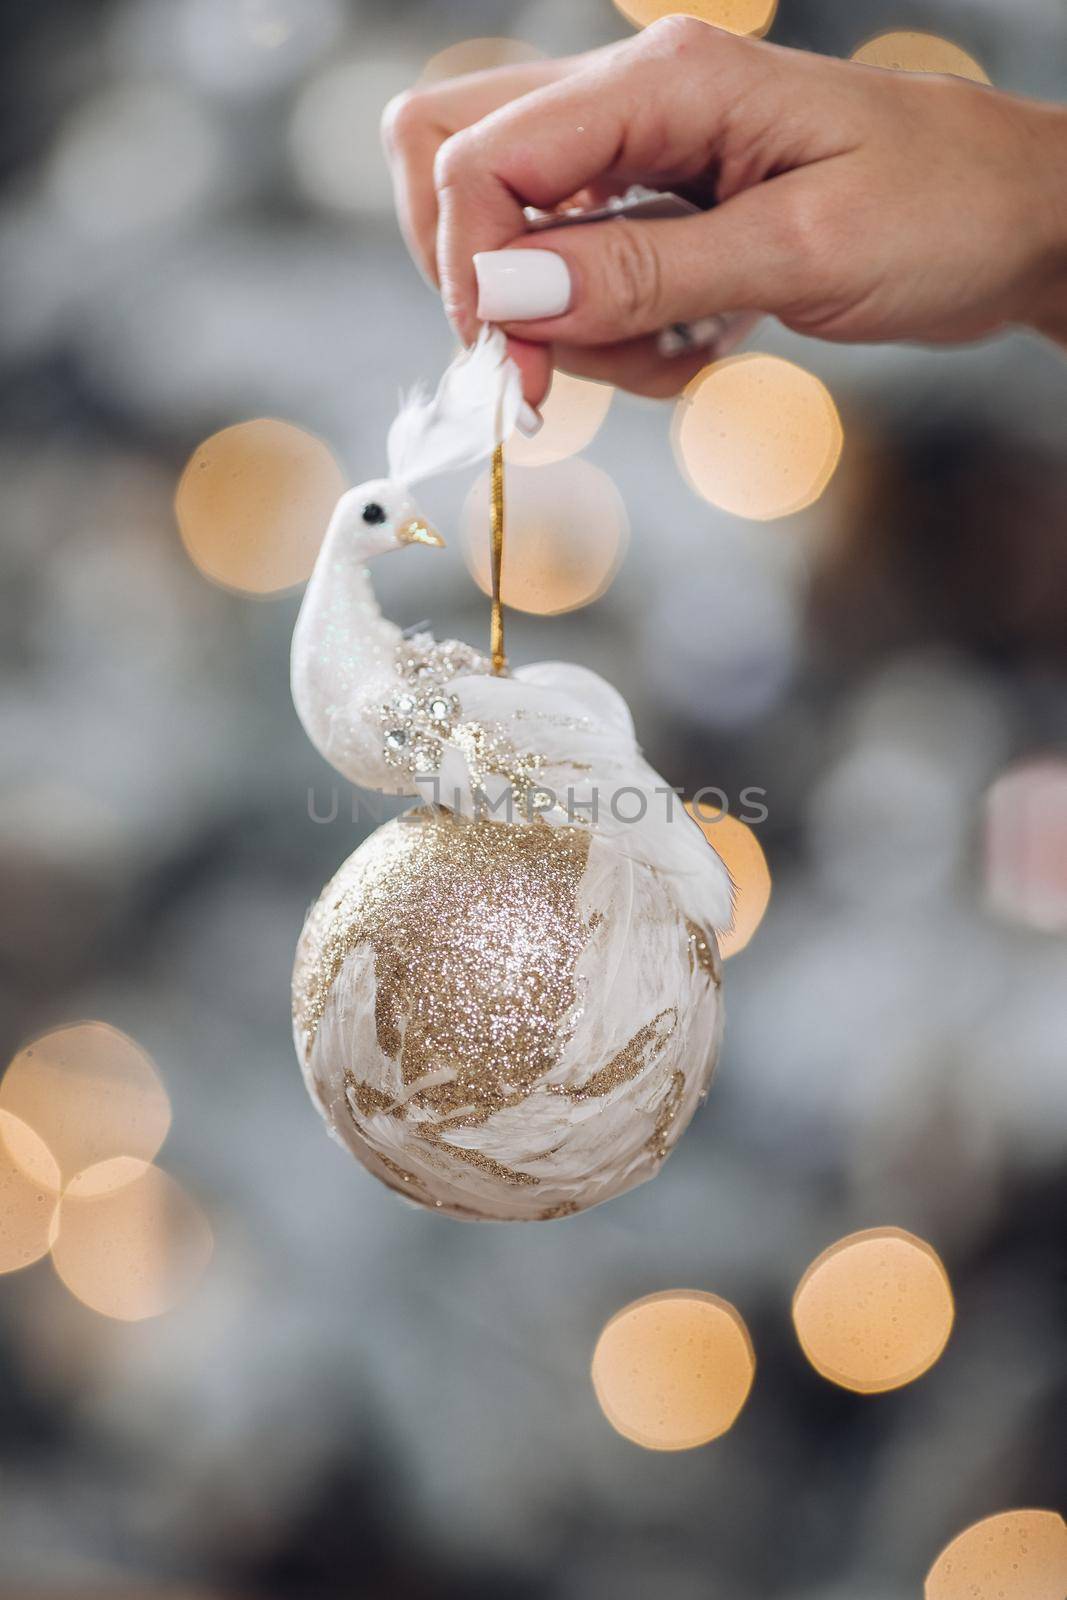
(244, 1368)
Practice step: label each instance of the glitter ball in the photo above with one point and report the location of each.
(440, 709)
(404, 704)
(396, 739)
(503, 1021)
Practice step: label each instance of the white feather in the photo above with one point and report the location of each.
(475, 409)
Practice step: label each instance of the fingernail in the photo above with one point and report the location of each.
(683, 336)
(521, 285)
(530, 420)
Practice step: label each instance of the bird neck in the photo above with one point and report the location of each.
(343, 648)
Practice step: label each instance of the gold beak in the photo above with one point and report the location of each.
(419, 532)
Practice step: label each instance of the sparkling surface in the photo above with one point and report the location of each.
(476, 932)
(449, 1012)
(417, 718)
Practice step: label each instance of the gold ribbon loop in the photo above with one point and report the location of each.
(496, 624)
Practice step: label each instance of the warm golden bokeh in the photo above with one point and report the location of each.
(253, 503)
(90, 1093)
(672, 1371)
(29, 1194)
(130, 1243)
(757, 436)
(736, 16)
(874, 1311)
(1026, 845)
(906, 51)
(565, 535)
(573, 413)
(742, 855)
(1018, 1555)
(476, 55)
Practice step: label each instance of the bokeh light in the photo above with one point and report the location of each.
(333, 135)
(672, 1371)
(1018, 1555)
(736, 16)
(565, 535)
(757, 436)
(573, 413)
(743, 857)
(129, 1242)
(29, 1194)
(253, 503)
(477, 55)
(1026, 845)
(874, 1311)
(90, 1093)
(906, 51)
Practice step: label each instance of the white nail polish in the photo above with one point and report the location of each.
(530, 420)
(521, 285)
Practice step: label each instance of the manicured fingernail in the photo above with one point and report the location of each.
(530, 420)
(521, 285)
(683, 336)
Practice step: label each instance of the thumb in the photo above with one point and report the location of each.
(617, 280)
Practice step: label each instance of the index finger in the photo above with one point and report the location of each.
(641, 110)
(536, 151)
(415, 125)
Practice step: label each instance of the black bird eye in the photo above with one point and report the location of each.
(373, 512)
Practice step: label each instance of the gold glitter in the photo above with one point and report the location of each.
(636, 1054)
(476, 1158)
(406, 1177)
(412, 1185)
(658, 1142)
(367, 1099)
(490, 753)
(476, 933)
(704, 951)
(446, 956)
(422, 713)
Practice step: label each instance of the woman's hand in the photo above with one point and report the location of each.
(852, 203)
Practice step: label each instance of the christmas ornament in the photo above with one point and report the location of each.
(507, 1001)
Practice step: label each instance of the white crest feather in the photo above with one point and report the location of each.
(474, 410)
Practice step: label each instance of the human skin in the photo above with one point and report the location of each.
(853, 203)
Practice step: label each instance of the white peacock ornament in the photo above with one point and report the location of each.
(507, 1001)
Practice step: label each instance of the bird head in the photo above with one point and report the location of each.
(380, 516)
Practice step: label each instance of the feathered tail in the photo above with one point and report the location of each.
(475, 409)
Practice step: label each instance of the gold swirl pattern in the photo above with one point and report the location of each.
(445, 982)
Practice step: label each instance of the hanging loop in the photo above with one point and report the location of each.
(496, 624)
